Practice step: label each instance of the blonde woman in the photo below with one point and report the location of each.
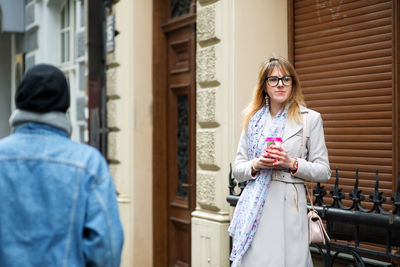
(269, 226)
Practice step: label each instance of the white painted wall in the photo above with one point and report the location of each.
(261, 30)
(5, 83)
(131, 113)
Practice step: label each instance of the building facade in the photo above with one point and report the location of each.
(232, 38)
(128, 82)
(160, 85)
(53, 32)
(12, 29)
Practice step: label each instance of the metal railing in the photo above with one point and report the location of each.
(348, 226)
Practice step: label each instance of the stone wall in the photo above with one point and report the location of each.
(233, 39)
(210, 240)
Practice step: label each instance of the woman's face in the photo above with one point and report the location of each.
(281, 91)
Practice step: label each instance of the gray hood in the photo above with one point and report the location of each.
(56, 119)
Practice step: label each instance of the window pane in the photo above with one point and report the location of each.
(62, 47)
(82, 133)
(29, 15)
(82, 7)
(29, 62)
(183, 139)
(180, 7)
(63, 18)
(67, 46)
(80, 108)
(82, 77)
(67, 13)
(80, 44)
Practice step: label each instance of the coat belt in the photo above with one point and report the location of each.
(286, 177)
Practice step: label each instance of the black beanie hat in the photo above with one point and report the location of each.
(44, 88)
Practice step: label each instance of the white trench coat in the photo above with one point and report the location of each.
(281, 239)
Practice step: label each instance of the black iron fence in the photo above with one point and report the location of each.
(348, 226)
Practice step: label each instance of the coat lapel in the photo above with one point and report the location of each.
(292, 127)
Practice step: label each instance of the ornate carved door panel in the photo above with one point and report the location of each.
(174, 127)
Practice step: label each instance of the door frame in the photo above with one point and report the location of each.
(160, 197)
(160, 129)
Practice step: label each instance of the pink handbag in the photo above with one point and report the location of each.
(316, 229)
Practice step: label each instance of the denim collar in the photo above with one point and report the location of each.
(56, 119)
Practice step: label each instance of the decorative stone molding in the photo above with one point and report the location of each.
(112, 114)
(112, 147)
(206, 107)
(206, 185)
(114, 172)
(206, 151)
(206, 26)
(210, 244)
(206, 65)
(112, 60)
(112, 85)
(207, 2)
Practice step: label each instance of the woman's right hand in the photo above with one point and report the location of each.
(263, 162)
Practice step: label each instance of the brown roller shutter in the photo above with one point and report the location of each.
(343, 53)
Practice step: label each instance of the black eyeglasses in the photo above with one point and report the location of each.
(274, 81)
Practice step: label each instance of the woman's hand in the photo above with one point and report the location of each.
(281, 157)
(263, 162)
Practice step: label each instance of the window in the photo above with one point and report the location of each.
(81, 7)
(30, 14)
(73, 62)
(65, 32)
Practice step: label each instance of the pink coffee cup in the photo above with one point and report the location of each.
(276, 141)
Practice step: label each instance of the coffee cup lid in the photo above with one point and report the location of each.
(273, 139)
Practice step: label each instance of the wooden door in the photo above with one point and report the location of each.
(174, 131)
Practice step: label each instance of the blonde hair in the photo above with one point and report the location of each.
(295, 99)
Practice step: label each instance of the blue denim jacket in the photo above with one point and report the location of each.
(58, 203)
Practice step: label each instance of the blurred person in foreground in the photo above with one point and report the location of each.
(57, 199)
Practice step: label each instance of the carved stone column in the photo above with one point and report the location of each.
(210, 220)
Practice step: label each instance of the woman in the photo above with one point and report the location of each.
(269, 226)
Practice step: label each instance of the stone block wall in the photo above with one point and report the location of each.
(210, 240)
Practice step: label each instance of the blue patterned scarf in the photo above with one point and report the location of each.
(251, 202)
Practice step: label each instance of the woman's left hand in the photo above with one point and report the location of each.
(283, 159)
